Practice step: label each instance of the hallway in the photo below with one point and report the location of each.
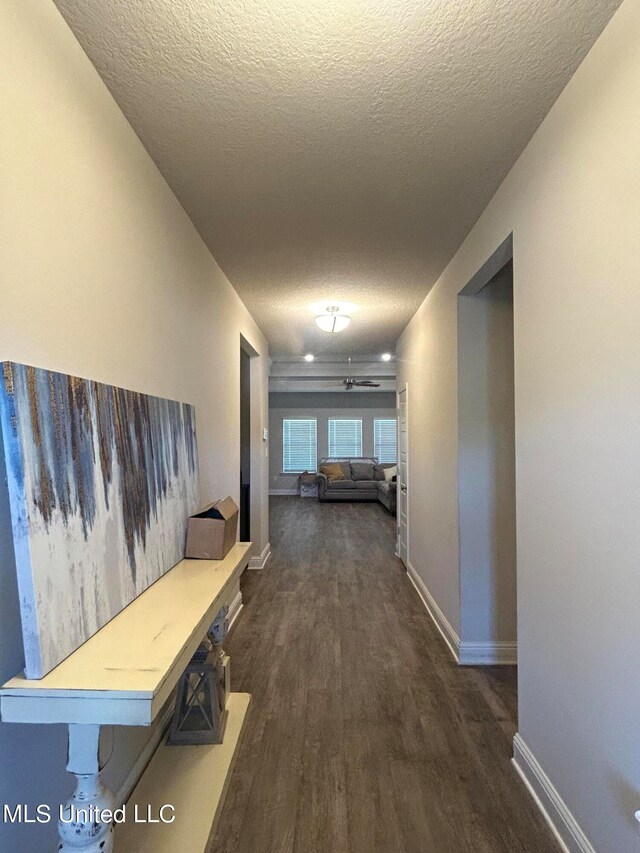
(363, 736)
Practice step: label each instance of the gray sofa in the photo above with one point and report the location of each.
(364, 481)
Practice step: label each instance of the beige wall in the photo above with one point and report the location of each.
(572, 202)
(486, 463)
(103, 275)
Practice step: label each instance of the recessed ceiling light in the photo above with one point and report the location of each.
(386, 356)
(309, 357)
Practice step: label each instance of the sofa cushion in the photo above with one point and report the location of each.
(346, 469)
(366, 485)
(387, 486)
(340, 484)
(378, 473)
(332, 471)
(362, 470)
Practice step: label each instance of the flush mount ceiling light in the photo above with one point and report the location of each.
(386, 356)
(309, 357)
(332, 321)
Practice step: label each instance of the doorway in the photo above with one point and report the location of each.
(245, 446)
(487, 469)
(402, 487)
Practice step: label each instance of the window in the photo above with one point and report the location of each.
(345, 437)
(299, 445)
(384, 439)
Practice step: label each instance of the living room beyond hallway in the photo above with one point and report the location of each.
(363, 734)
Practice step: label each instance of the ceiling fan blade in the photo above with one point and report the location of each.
(359, 383)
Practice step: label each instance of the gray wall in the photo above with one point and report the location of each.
(322, 406)
(571, 202)
(486, 463)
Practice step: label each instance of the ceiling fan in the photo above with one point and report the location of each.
(350, 383)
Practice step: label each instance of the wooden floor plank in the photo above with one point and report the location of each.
(363, 736)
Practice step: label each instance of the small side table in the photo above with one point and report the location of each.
(308, 485)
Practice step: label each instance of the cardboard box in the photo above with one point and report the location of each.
(212, 531)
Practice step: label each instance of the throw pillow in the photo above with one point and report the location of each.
(378, 473)
(362, 470)
(332, 471)
(390, 473)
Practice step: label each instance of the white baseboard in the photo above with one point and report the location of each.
(439, 619)
(164, 721)
(283, 491)
(465, 654)
(487, 654)
(234, 609)
(260, 561)
(564, 826)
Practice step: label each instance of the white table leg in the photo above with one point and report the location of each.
(80, 827)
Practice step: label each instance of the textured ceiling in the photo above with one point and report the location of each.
(335, 148)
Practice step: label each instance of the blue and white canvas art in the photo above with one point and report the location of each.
(101, 484)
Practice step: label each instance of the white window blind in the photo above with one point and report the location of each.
(384, 439)
(299, 445)
(345, 437)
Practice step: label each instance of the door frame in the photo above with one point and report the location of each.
(256, 421)
(246, 444)
(508, 653)
(399, 391)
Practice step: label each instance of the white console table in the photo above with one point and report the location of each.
(123, 675)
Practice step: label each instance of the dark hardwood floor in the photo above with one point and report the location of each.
(363, 735)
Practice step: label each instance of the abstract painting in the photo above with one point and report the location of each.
(101, 484)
